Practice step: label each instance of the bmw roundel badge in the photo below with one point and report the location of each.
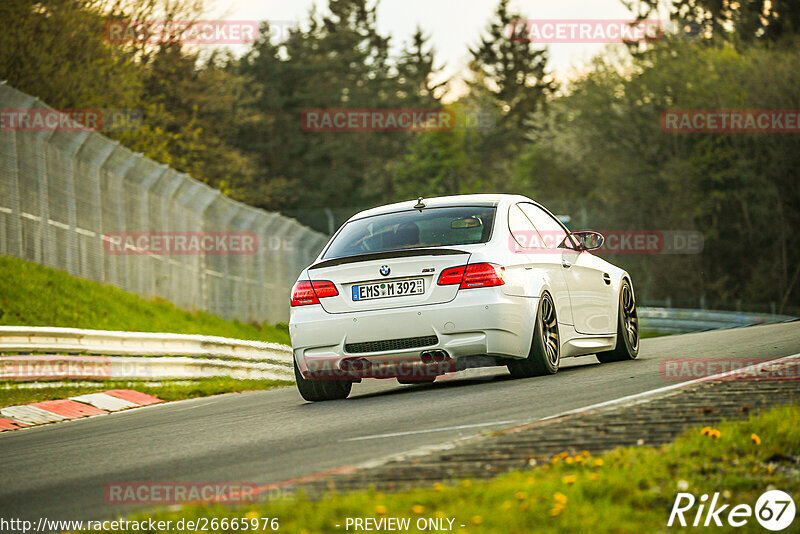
(385, 270)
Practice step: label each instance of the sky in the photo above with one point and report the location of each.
(453, 25)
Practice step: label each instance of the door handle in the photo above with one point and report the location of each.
(565, 265)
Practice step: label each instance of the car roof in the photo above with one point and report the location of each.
(438, 202)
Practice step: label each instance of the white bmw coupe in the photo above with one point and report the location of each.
(419, 289)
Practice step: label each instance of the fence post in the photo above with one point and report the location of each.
(95, 163)
(11, 242)
(139, 178)
(195, 197)
(71, 148)
(62, 193)
(44, 241)
(114, 209)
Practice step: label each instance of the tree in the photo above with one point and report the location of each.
(513, 72)
(744, 20)
(56, 51)
(604, 144)
(337, 60)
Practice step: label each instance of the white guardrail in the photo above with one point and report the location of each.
(677, 320)
(48, 353)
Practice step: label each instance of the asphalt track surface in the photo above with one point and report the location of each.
(59, 471)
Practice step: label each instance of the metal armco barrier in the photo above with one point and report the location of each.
(48, 353)
(675, 320)
(45, 353)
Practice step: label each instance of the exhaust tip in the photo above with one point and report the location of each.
(355, 364)
(434, 356)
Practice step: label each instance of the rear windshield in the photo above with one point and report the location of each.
(431, 227)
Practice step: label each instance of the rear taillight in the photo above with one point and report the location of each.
(451, 276)
(305, 292)
(473, 275)
(483, 275)
(324, 288)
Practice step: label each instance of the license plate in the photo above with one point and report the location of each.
(382, 290)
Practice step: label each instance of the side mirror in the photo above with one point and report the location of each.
(588, 240)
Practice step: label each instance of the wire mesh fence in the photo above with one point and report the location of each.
(80, 202)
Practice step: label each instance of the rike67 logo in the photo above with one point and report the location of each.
(774, 510)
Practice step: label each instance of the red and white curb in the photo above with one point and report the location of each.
(41, 413)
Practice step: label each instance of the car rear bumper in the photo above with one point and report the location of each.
(477, 322)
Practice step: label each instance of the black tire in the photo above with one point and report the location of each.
(627, 329)
(321, 390)
(544, 356)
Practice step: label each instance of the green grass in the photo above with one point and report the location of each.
(33, 295)
(626, 490)
(168, 390)
(644, 334)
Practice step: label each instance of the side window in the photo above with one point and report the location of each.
(550, 230)
(522, 230)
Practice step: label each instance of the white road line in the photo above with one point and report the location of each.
(620, 400)
(443, 429)
(193, 407)
(680, 385)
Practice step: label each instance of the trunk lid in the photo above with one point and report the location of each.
(364, 274)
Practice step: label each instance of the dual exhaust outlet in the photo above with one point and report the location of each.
(434, 356)
(363, 365)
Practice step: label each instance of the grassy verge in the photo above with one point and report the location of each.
(33, 295)
(166, 390)
(644, 334)
(626, 490)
